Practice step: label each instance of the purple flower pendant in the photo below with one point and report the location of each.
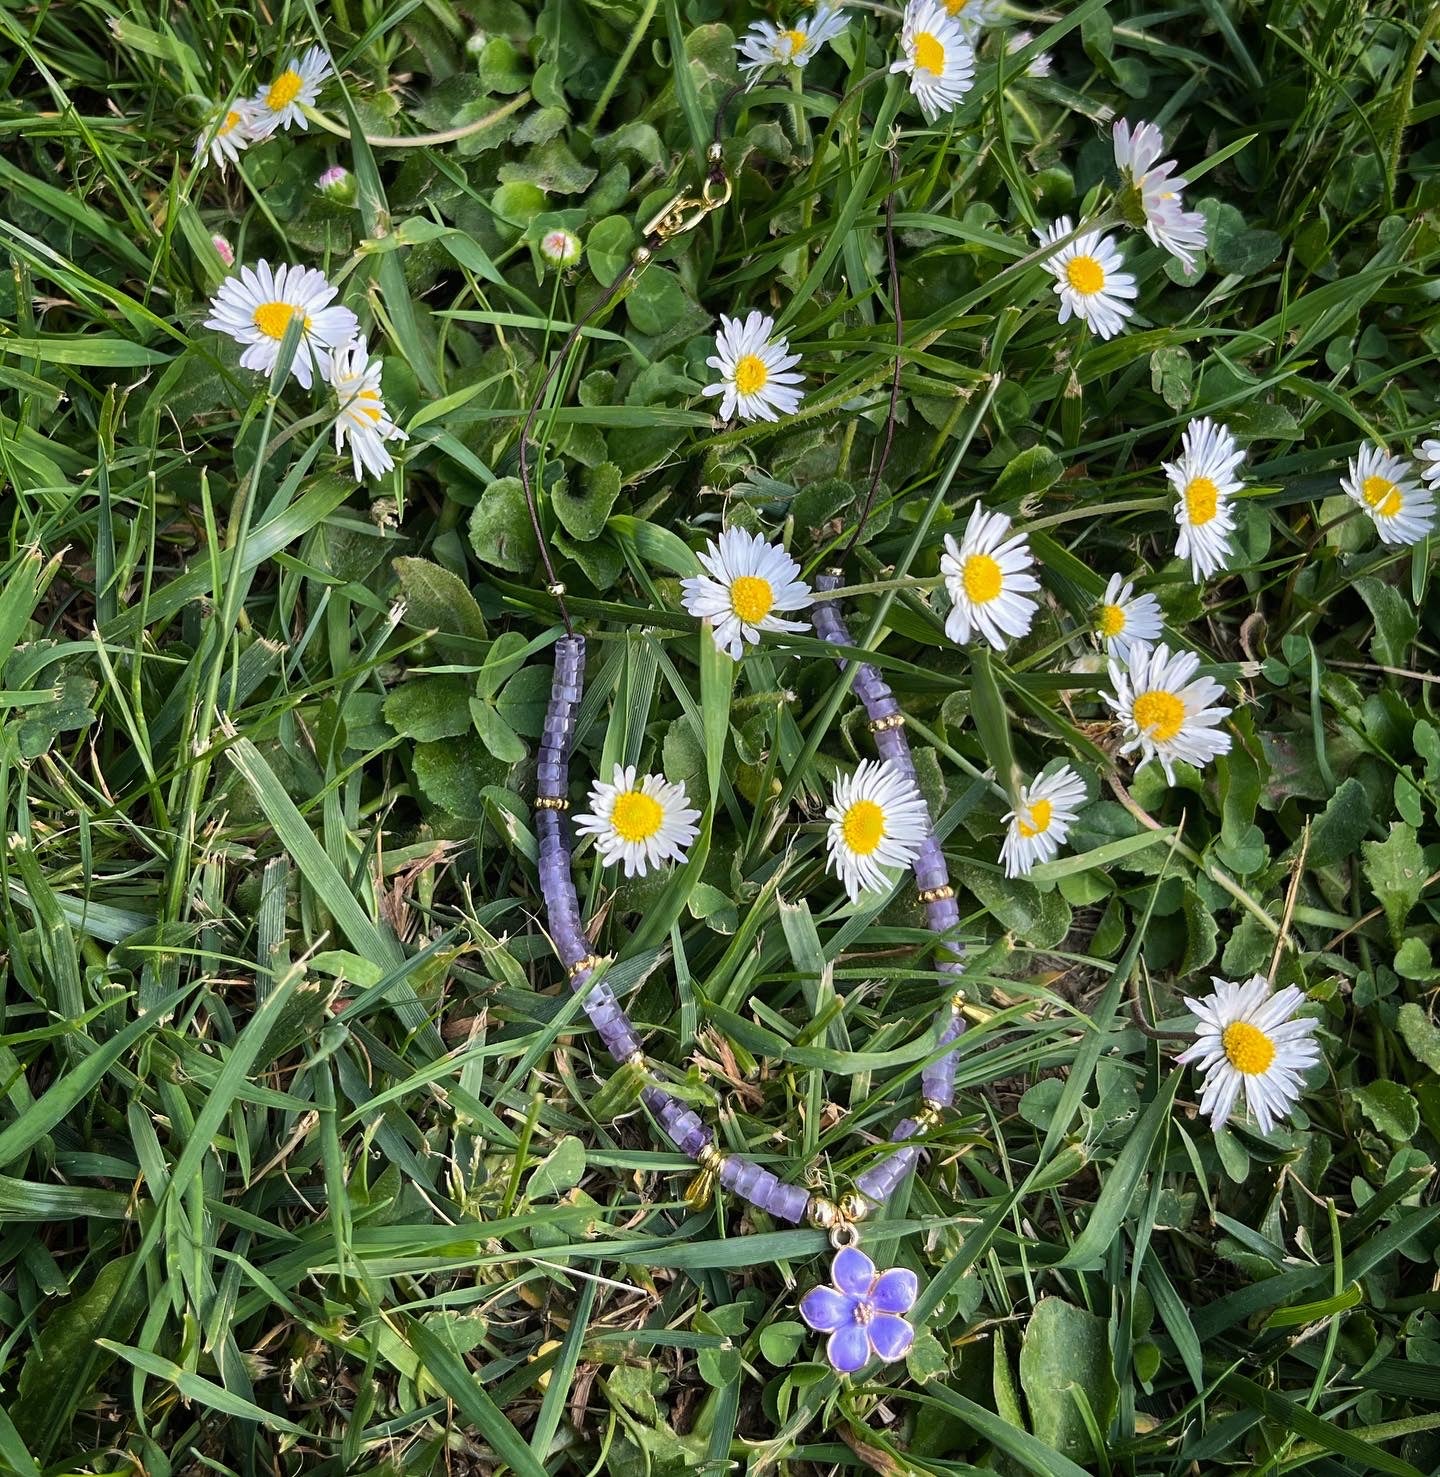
(863, 1311)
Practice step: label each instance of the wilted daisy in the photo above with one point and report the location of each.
(295, 88)
(877, 819)
(1088, 279)
(745, 583)
(1168, 713)
(560, 248)
(255, 309)
(1122, 618)
(757, 373)
(1040, 64)
(226, 136)
(1429, 455)
(987, 576)
(972, 14)
(768, 45)
(639, 822)
(1041, 821)
(1385, 486)
(938, 57)
(1150, 193)
(1204, 481)
(1246, 1037)
(361, 417)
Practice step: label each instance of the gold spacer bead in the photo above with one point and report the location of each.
(930, 1115)
(835, 572)
(641, 255)
(890, 720)
(822, 1213)
(958, 1002)
(590, 961)
(854, 1206)
(936, 894)
(715, 153)
(710, 1158)
(551, 802)
(636, 1059)
(556, 591)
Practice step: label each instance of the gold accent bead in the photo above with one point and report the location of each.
(822, 1213)
(636, 1059)
(556, 591)
(835, 572)
(710, 1158)
(854, 1206)
(958, 1002)
(930, 1115)
(641, 255)
(715, 153)
(551, 802)
(936, 894)
(590, 961)
(890, 720)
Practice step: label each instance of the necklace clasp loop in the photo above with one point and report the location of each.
(687, 210)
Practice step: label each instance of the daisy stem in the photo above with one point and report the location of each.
(877, 587)
(422, 140)
(1130, 505)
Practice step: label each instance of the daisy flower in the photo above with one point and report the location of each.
(878, 819)
(1122, 618)
(1150, 193)
(226, 136)
(987, 575)
(745, 582)
(282, 104)
(1088, 279)
(1385, 486)
(1168, 713)
(1430, 461)
(938, 58)
(255, 308)
(560, 248)
(757, 373)
(1041, 821)
(1040, 64)
(1204, 481)
(973, 15)
(768, 45)
(639, 822)
(360, 416)
(1246, 1037)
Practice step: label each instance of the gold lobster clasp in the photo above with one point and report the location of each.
(687, 209)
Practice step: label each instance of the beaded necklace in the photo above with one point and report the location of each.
(862, 1310)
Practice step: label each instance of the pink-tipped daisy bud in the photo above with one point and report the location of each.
(477, 43)
(336, 183)
(560, 248)
(223, 250)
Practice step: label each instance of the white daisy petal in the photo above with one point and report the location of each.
(296, 87)
(1088, 279)
(1428, 454)
(227, 135)
(1263, 1049)
(878, 819)
(937, 54)
(1204, 482)
(360, 416)
(638, 822)
(1403, 511)
(1167, 713)
(757, 374)
(1040, 65)
(768, 45)
(746, 581)
(255, 307)
(987, 578)
(1151, 193)
(1122, 618)
(1040, 823)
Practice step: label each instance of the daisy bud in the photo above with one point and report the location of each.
(223, 250)
(337, 184)
(560, 248)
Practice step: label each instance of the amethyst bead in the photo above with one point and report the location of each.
(762, 1189)
(937, 1080)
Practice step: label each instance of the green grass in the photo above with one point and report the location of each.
(258, 728)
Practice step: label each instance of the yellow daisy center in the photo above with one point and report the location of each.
(284, 90)
(751, 598)
(367, 402)
(1160, 714)
(751, 375)
(1041, 813)
(1085, 275)
(1111, 621)
(273, 318)
(954, 7)
(1247, 1048)
(636, 817)
(232, 122)
(798, 41)
(863, 827)
(1381, 494)
(1202, 500)
(982, 578)
(929, 54)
